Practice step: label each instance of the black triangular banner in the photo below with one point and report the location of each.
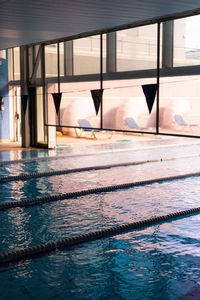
(24, 99)
(57, 99)
(97, 98)
(150, 93)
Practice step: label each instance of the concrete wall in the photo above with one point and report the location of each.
(4, 115)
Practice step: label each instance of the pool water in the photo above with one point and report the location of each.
(158, 262)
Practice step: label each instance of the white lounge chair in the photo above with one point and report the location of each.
(132, 124)
(87, 127)
(180, 121)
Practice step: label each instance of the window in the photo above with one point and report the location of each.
(187, 41)
(51, 60)
(137, 48)
(87, 55)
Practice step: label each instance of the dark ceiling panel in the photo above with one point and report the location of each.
(30, 21)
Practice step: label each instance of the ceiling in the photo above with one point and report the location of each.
(29, 21)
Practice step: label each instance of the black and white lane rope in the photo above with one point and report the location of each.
(85, 169)
(95, 153)
(41, 200)
(68, 171)
(30, 252)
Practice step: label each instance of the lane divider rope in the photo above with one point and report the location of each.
(68, 171)
(31, 252)
(33, 159)
(70, 195)
(85, 169)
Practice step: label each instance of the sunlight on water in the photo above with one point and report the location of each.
(158, 262)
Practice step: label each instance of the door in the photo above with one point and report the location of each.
(15, 113)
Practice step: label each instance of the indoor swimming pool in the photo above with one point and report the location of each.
(161, 261)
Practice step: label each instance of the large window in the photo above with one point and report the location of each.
(87, 55)
(180, 105)
(77, 104)
(187, 41)
(120, 62)
(125, 107)
(62, 58)
(41, 129)
(51, 60)
(14, 64)
(137, 48)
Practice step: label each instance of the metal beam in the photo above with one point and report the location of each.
(68, 58)
(24, 91)
(167, 44)
(35, 66)
(111, 49)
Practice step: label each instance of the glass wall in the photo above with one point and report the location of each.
(50, 110)
(41, 129)
(10, 65)
(180, 105)
(15, 113)
(51, 60)
(66, 58)
(37, 60)
(125, 107)
(124, 102)
(86, 55)
(137, 48)
(121, 62)
(62, 59)
(76, 105)
(14, 64)
(187, 41)
(35, 67)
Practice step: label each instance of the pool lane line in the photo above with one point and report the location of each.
(33, 159)
(85, 169)
(68, 171)
(98, 190)
(44, 249)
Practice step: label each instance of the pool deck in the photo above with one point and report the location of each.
(102, 139)
(85, 144)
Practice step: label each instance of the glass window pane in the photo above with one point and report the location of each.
(125, 107)
(51, 60)
(179, 105)
(77, 104)
(30, 61)
(61, 53)
(16, 63)
(10, 64)
(104, 52)
(50, 111)
(38, 63)
(187, 41)
(66, 58)
(87, 55)
(41, 136)
(137, 48)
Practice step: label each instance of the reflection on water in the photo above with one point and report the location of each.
(145, 264)
(159, 262)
